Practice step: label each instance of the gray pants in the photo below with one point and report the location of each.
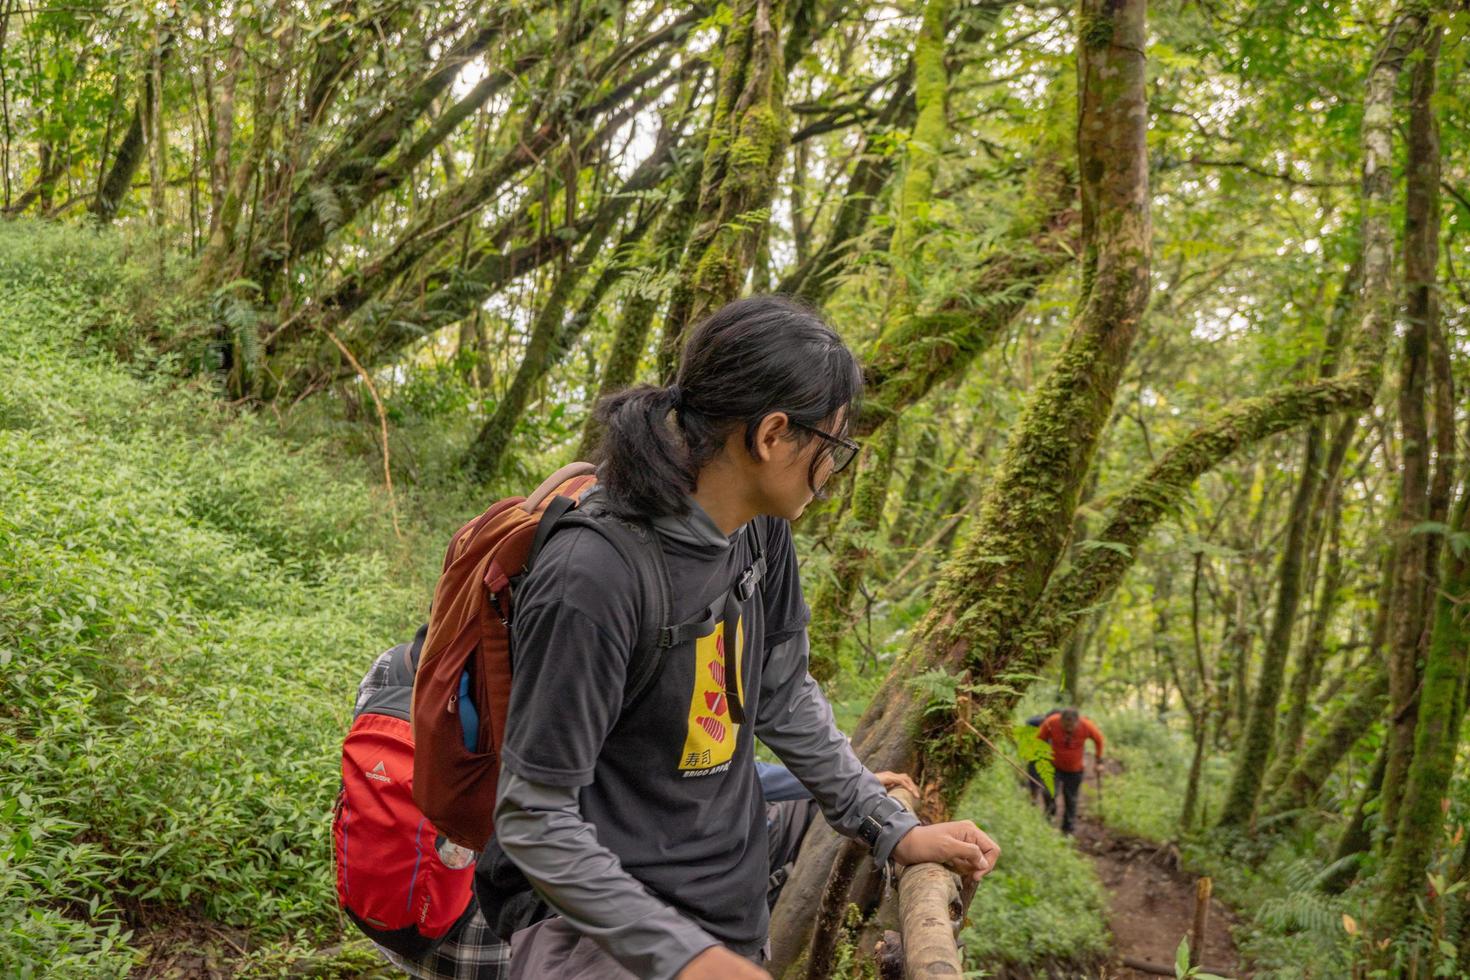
(553, 949)
(1069, 787)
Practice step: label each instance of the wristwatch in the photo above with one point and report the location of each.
(871, 827)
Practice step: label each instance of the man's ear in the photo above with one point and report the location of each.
(772, 430)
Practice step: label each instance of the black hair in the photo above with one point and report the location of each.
(746, 360)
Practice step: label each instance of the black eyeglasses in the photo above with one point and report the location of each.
(843, 450)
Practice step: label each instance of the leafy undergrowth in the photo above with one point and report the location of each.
(1042, 911)
(1289, 926)
(186, 603)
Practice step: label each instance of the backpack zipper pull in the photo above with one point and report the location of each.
(454, 703)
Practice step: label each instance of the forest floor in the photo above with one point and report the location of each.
(1151, 898)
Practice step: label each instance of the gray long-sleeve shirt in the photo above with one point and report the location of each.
(643, 828)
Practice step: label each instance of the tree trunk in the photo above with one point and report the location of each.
(130, 152)
(157, 136)
(1412, 602)
(224, 131)
(1313, 648)
(985, 593)
(1421, 823)
(1430, 765)
(742, 160)
(214, 265)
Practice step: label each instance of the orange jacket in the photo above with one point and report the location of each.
(1066, 750)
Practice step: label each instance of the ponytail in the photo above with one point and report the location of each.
(644, 464)
(746, 360)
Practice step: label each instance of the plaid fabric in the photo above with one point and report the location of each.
(375, 680)
(472, 953)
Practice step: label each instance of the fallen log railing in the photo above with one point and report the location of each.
(931, 909)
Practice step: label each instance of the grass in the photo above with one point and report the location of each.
(186, 603)
(1043, 906)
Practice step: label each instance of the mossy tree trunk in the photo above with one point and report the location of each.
(986, 592)
(742, 160)
(1414, 601)
(1313, 647)
(856, 536)
(1139, 507)
(1420, 824)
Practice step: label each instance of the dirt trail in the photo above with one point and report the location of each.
(1150, 899)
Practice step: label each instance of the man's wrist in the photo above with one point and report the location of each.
(895, 827)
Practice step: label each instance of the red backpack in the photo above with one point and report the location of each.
(390, 880)
(467, 656)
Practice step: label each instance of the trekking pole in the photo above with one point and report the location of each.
(1097, 770)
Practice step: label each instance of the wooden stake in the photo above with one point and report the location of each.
(1202, 890)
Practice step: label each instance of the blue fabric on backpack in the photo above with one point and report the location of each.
(778, 784)
(469, 715)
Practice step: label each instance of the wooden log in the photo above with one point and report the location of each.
(1145, 966)
(927, 898)
(930, 910)
(1202, 890)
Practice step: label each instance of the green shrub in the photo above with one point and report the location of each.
(187, 601)
(1043, 906)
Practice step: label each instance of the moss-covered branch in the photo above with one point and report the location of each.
(986, 592)
(747, 143)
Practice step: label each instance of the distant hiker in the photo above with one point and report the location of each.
(1036, 786)
(1067, 732)
(642, 825)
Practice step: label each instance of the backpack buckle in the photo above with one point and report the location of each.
(745, 585)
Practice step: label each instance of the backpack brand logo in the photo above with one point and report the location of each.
(378, 772)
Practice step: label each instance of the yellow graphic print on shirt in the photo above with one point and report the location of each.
(709, 742)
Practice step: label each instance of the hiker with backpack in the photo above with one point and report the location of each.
(627, 793)
(1067, 733)
(382, 852)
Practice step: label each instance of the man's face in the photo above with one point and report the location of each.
(1069, 725)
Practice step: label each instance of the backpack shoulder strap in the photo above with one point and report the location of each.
(638, 546)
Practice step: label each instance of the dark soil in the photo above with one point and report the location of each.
(1151, 904)
(1151, 901)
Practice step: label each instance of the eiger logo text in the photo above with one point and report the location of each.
(378, 772)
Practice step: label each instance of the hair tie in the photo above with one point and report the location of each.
(676, 395)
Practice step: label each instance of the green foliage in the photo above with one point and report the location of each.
(1145, 799)
(1042, 907)
(1036, 752)
(1182, 969)
(186, 604)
